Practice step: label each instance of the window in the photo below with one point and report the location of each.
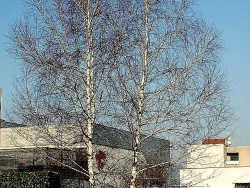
(233, 156)
(232, 159)
(242, 185)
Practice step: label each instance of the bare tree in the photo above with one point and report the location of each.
(62, 45)
(148, 66)
(167, 81)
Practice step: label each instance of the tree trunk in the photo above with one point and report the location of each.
(90, 95)
(141, 100)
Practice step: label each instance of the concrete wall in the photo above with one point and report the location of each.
(19, 137)
(118, 161)
(117, 167)
(207, 166)
(41, 136)
(208, 155)
(116, 144)
(214, 177)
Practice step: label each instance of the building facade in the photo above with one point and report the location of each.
(28, 148)
(216, 164)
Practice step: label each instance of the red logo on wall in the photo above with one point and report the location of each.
(100, 157)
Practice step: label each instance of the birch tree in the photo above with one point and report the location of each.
(167, 80)
(62, 46)
(149, 67)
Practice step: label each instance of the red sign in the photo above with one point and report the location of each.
(100, 157)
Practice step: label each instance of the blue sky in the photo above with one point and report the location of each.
(230, 17)
(10, 10)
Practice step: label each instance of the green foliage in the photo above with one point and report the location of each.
(38, 179)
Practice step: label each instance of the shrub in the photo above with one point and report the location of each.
(37, 179)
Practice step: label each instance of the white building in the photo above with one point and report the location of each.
(56, 147)
(215, 164)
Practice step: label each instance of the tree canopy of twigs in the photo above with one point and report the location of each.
(167, 80)
(149, 67)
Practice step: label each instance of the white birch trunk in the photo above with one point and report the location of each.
(90, 95)
(134, 171)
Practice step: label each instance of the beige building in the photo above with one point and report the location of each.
(238, 156)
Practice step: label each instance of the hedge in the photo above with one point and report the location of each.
(37, 179)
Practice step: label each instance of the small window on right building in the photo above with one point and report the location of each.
(242, 185)
(232, 159)
(233, 156)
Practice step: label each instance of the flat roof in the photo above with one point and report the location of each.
(214, 141)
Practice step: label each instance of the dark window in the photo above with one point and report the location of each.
(242, 185)
(233, 156)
